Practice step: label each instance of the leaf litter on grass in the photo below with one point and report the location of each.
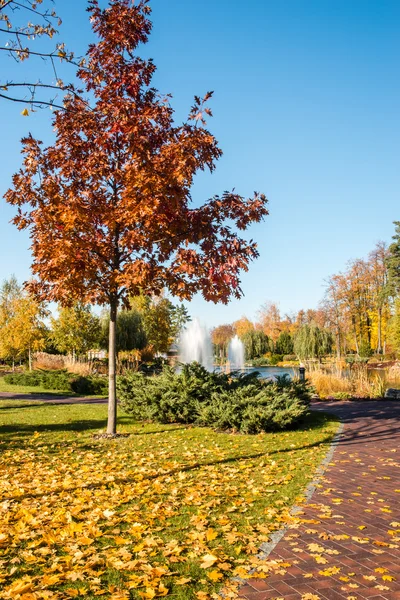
(167, 511)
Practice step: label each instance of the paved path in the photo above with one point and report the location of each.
(348, 543)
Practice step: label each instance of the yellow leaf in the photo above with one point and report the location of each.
(310, 597)
(208, 561)
(330, 571)
(388, 578)
(121, 541)
(162, 590)
(183, 580)
(381, 587)
(211, 535)
(319, 559)
(241, 572)
(148, 594)
(25, 112)
(84, 541)
(315, 548)
(215, 575)
(202, 596)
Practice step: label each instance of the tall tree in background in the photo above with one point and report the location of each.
(23, 25)
(220, 337)
(131, 333)
(157, 316)
(393, 262)
(76, 330)
(179, 318)
(270, 320)
(284, 343)
(336, 314)
(256, 344)
(311, 342)
(108, 205)
(380, 293)
(22, 329)
(243, 326)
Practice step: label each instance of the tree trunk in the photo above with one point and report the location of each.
(112, 363)
(30, 358)
(338, 343)
(379, 349)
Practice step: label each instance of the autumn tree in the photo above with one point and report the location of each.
(22, 329)
(380, 294)
(394, 328)
(336, 313)
(108, 205)
(27, 30)
(243, 326)
(270, 320)
(220, 337)
(76, 330)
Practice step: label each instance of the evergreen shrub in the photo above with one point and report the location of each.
(236, 402)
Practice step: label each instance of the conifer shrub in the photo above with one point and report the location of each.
(236, 402)
(89, 385)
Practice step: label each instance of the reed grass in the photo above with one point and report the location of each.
(339, 384)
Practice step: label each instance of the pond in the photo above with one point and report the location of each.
(268, 372)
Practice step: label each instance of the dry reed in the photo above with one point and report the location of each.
(48, 362)
(356, 382)
(78, 368)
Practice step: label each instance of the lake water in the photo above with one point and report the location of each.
(270, 372)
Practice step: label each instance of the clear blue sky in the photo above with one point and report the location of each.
(306, 110)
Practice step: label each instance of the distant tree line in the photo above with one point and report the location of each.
(359, 315)
(26, 326)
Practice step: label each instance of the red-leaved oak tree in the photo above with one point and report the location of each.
(108, 205)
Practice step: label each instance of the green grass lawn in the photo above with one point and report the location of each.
(168, 511)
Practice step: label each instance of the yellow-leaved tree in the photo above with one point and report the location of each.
(22, 329)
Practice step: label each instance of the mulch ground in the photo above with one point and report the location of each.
(347, 543)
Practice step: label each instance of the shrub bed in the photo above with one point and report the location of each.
(236, 402)
(59, 380)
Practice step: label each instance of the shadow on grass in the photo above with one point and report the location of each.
(23, 406)
(24, 429)
(171, 472)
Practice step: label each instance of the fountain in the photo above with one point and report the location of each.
(195, 344)
(236, 353)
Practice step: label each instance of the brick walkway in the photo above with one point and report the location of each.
(348, 543)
